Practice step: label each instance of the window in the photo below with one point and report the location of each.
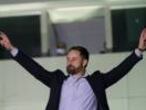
(24, 32)
(127, 25)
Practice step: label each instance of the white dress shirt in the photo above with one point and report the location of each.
(77, 94)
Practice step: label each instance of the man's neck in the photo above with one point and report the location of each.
(78, 75)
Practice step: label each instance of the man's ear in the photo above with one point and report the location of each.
(85, 63)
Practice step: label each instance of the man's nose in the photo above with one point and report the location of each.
(69, 62)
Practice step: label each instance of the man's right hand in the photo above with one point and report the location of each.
(5, 42)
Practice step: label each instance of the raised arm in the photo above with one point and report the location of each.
(28, 63)
(123, 68)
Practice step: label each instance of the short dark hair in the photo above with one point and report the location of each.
(83, 51)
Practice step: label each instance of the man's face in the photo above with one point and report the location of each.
(75, 62)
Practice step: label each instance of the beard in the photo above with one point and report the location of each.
(72, 69)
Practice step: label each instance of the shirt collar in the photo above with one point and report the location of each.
(78, 76)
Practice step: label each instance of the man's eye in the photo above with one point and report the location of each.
(74, 59)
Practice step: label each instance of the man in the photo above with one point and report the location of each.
(77, 91)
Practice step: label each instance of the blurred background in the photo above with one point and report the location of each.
(45, 29)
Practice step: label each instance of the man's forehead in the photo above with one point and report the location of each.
(73, 53)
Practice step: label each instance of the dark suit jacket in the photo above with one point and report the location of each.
(98, 81)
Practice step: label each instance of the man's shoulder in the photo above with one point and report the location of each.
(96, 74)
(59, 73)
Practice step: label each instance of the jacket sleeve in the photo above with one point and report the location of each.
(121, 70)
(34, 68)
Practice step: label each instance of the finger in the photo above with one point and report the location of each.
(143, 32)
(0, 35)
(0, 32)
(1, 38)
(143, 35)
(1, 43)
